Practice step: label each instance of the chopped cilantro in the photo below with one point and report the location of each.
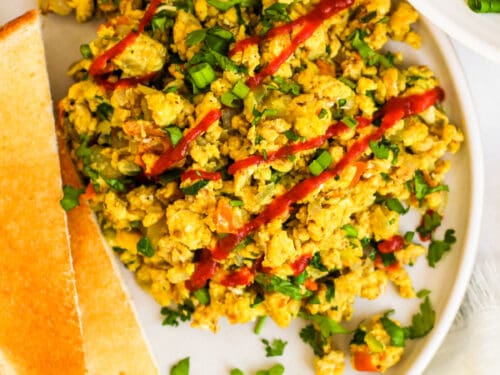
(182, 313)
(291, 135)
(430, 222)
(71, 197)
(195, 37)
(174, 133)
(145, 247)
(194, 188)
(395, 205)
(313, 337)
(420, 188)
(274, 13)
(327, 326)
(104, 111)
(422, 322)
(226, 5)
(437, 248)
(359, 337)
(119, 250)
(409, 236)
(350, 231)
(272, 283)
(86, 51)
(274, 349)
(323, 113)
(181, 367)
(396, 332)
(369, 56)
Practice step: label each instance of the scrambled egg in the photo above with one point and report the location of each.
(323, 253)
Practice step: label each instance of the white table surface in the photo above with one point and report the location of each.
(484, 81)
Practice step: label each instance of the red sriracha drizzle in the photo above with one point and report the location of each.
(300, 264)
(394, 110)
(288, 150)
(391, 245)
(100, 65)
(177, 153)
(309, 22)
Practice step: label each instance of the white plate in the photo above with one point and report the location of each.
(479, 32)
(237, 346)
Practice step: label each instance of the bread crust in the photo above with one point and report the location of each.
(113, 340)
(40, 331)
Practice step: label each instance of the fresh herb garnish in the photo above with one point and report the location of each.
(430, 222)
(274, 13)
(437, 248)
(182, 313)
(104, 111)
(396, 332)
(422, 322)
(272, 283)
(71, 197)
(421, 189)
(367, 54)
(145, 247)
(86, 51)
(174, 133)
(274, 349)
(194, 188)
(350, 231)
(395, 205)
(202, 295)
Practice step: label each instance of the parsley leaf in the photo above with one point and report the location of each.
(327, 326)
(437, 248)
(313, 338)
(350, 231)
(395, 205)
(70, 198)
(369, 56)
(271, 283)
(145, 247)
(274, 349)
(195, 37)
(194, 188)
(420, 188)
(181, 367)
(396, 332)
(182, 313)
(226, 5)
(430, 222)
(275, 13)
(422, 322)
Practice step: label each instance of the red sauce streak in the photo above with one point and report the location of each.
(243, 276)
(310, 22)
(204, 271)
(177, 153)
(288, 150)
(194, 175)
(394, 110)
(100, 65)
(124, 82)
(300, 264)
(391, 245)
(324, 10)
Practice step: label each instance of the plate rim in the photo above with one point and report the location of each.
(457, 31)
(470, 248)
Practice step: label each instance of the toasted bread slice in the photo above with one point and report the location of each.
(113, 340)
(40, 331)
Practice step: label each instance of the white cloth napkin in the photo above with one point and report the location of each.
(472, 347)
